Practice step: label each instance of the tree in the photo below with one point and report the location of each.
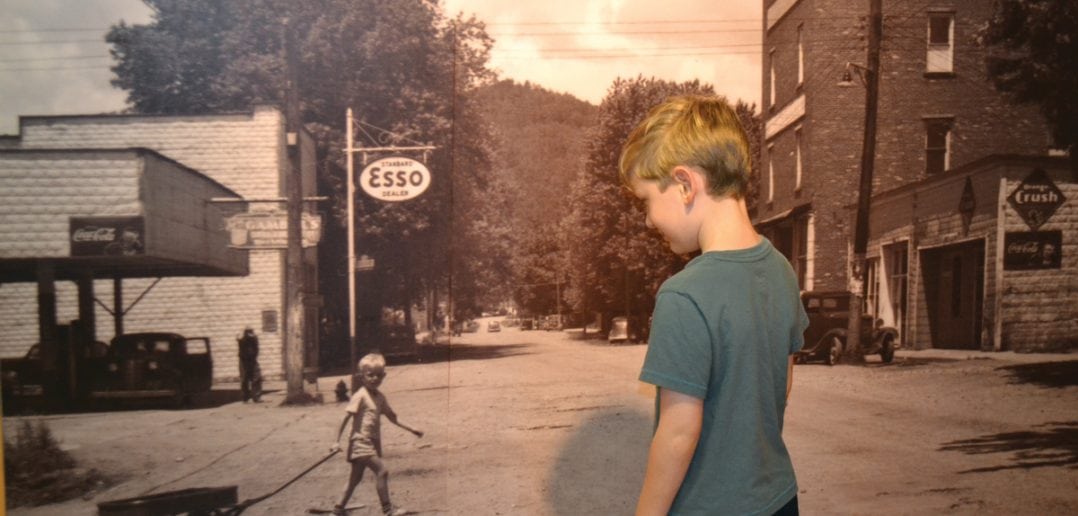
(540, 146)
(617, 263)
(1032, 57)
(408, 72)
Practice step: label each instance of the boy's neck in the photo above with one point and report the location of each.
(726, 226)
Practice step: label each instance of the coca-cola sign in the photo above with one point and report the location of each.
(107, 236)
(1032, 250)
(1036, 199)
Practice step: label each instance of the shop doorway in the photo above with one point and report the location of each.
(953, 277)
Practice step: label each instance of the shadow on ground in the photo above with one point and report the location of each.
(1050, 444)
(601, 467)
(1045, 374)
(454, 352)
(906, 362)
(36, 406)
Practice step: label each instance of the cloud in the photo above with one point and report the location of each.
(573, 46)
(581, 47)
(53, 57)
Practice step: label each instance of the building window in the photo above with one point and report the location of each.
(770, 173)
(897, 262)
(797, 160)
(872, 288)
(771, 93)
(937, 144)
(269, 321)
(940, 43)
(801, 243)
(800, 56)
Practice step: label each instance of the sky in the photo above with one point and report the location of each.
(53, 59)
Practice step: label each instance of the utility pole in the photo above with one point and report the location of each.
(294, 320)
(864, 193)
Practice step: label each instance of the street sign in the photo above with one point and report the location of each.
(395, 179)
(364, 263)
(269, 230)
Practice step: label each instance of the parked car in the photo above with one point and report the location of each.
(494, 326)
(430, 338)
(471, 326)
(22, 377)
(622, 330)
(154, 365)
(398, 341)
(825, 338)
(527, 323)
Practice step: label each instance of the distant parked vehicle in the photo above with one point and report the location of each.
(471, 326)
(527, 323)
(494, 326)
(398, 340)
(825, 338)
(154, 365)
(622, 331)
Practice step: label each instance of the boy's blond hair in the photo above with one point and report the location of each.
(695, 131)
(372, 361)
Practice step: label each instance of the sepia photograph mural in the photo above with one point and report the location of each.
(231, 232)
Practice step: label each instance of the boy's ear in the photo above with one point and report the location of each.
(686, 182)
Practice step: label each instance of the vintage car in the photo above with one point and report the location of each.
(494, 326)
(825, 338)
(154, 365)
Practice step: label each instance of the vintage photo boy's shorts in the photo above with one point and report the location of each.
(361, 447)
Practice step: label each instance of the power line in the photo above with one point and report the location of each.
(56, 42)
(57, 69)
(62, 58)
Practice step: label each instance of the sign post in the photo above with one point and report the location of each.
(393, 179)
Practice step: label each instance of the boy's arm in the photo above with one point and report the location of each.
(337, 442)
(392, 417)
(672, 448)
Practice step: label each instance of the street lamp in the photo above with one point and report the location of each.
(847, 77)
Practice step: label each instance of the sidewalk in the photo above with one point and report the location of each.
(970, 354)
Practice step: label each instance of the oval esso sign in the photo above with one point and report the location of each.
(395, 179)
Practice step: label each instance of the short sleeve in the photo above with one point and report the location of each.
(354, 403)
(797, 339)
(679, 355)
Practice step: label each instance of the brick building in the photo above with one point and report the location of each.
(939, 121)
(210, 268)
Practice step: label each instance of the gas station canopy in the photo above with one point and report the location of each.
(111, 213)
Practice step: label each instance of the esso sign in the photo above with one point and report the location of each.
(395, 179)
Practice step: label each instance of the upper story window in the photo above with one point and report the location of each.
(797, 160)
(771, 93)
(800, 55)
(770, 173)
(940, 58)
(938, 144)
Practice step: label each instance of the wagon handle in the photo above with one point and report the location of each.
(242, 506)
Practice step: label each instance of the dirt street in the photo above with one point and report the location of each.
(530, 422)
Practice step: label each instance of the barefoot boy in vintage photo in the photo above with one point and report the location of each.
(365, 410)
(724, 329)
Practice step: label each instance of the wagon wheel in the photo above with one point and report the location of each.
(887, 349)
(834, 350)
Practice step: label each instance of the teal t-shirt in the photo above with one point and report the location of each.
(722, 331)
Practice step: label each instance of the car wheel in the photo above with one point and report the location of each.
(834, 351)
(887, 349)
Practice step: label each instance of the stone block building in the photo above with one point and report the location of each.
(939, 121)
(62, 169)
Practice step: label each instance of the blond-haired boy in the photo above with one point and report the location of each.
(364, 410)
(724, 328)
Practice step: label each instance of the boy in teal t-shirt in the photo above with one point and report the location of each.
(724, 329)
